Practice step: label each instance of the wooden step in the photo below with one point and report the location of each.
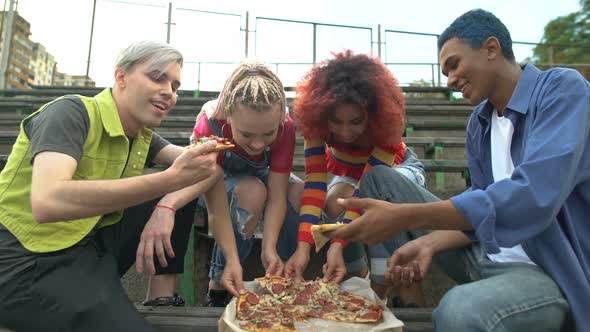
(177, 319)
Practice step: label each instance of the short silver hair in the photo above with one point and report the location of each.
(160, 55)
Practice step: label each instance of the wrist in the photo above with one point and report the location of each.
(168, 201)
(303, 246)
(428, 242)
(232, 259)
(336, 247)
(172, 178)
(165, 207)
(269, 245)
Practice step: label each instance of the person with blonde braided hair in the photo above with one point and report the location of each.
(251, 112)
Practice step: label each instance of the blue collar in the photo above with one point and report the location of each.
(521, 96)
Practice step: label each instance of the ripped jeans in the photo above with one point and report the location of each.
(287, 241)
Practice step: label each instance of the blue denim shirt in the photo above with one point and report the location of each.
(545, 205)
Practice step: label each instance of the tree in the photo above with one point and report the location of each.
(566, 39)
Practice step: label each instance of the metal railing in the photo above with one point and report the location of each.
(412, 56)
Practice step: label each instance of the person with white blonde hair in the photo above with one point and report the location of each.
(70, 219)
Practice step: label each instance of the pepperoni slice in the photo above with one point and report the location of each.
(244, 305)
(328, 307)
(312, 288)
(252, 298)
(277, 288)
(289, 314)
(313, 313)
(371, 315)
(356, 300)
(286, 306)
(302, 299)
(375, 307)
(264, 324)
(352, 307)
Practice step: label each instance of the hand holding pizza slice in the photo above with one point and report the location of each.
(317, 232)
(222, 142)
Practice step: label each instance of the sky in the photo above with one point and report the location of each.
(63, 27)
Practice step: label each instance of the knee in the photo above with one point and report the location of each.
(380, 181)
(459, 310)
(373, 177)
(251, 195)
(332, 208)
(296, 192)
(377, 172)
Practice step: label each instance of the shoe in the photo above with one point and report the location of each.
(397, 303)
(217, 298)
(165, 301)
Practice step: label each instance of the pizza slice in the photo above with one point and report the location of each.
(246, 305)
(275, 285)
(222, 142)
(260, 314)
(317, 232)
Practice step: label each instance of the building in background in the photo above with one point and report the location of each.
(18, 71)
(27, 64)
(43, 66)
(61, 79)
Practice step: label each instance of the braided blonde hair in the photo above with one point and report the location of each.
(253, 85)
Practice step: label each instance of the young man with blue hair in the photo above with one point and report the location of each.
(520, 233)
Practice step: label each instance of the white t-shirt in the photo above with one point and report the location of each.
(502, 168)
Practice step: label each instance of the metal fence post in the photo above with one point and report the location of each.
(247, 32)
(379, 41)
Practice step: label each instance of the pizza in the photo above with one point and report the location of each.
(317, 232)
(259, 314)
(222, 142)
(283, 301)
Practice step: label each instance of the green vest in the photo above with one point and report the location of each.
(106, 156)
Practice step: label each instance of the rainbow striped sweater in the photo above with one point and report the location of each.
(321, 158)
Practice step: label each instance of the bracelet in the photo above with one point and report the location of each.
(165, 207)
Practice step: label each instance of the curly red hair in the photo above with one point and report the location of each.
(351, 79)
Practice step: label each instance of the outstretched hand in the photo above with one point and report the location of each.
(272, 263)
(377, 223)
(231, 279)
(409, 264)
(297, 264)
(334, 270)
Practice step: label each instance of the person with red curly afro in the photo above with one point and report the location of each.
(350, 112)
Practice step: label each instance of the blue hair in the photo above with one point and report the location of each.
(474, 27)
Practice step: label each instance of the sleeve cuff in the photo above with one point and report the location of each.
(342, 242)
(305, 237)
(478, 210)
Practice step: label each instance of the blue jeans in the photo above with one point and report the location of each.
(287, 241)
(492, 296)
